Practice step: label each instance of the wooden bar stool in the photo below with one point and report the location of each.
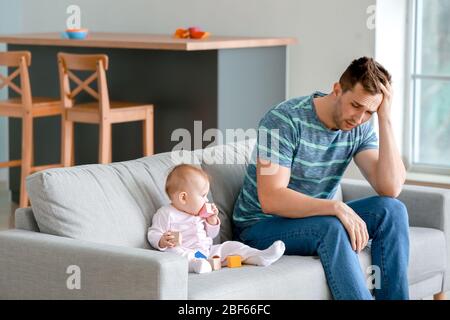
(27, 108)
(102, 112)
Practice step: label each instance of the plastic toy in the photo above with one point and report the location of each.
(215, 263)
(234, 261)
(206, 211)
(178, 238)
(200, 255)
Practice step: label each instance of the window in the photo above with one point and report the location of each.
(429, 73)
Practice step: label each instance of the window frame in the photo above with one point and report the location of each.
(412, 93)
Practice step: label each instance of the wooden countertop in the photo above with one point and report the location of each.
(144, 41)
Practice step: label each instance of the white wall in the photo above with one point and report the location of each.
(10, 13)
(330, 33)
(390, 50)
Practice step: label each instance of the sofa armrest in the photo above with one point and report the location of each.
(35, 266)
(24, 219)
(428, 207)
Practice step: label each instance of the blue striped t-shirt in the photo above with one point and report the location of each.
(292, 135)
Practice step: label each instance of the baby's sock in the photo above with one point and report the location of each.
(199, 266)
(268, 256)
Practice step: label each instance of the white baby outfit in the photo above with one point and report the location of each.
(197, 235)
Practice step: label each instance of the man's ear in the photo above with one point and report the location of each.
(337, 89)
(182, 197)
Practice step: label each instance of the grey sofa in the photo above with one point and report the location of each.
(95, 217)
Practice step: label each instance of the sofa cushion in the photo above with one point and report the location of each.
(226, 166)
(427, 253)
(301, 277)
(338, 194)
(291, 277)
(111, 204)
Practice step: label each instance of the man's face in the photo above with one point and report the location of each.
(354, 107)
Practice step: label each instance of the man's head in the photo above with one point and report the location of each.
(358, 93)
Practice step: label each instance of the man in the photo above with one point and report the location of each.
(288, 194)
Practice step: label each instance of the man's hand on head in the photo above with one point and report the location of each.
(384, 111)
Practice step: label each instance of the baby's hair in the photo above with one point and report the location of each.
(178, 177)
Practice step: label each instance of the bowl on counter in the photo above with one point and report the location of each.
(76, 33)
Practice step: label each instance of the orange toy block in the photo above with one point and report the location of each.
(234, 261)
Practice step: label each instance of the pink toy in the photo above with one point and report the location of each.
(206, 211)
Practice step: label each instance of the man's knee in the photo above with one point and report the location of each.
(395, 210)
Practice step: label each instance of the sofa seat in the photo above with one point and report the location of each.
(296, 277)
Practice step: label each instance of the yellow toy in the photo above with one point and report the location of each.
(234, 261)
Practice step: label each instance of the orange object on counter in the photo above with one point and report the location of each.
(191, 33)
(182, 33)
(199, 35)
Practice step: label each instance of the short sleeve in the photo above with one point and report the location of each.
(276, 138)
(367, 138)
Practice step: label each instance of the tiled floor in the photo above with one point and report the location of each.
(7, 207)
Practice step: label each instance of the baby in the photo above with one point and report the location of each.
(187, 187)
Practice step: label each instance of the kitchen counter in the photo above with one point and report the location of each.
(195, 85)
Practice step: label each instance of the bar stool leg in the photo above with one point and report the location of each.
(72, 149)
(27, 147)
(105, 142)
(32, 150)
(148, 128)
(66, 142)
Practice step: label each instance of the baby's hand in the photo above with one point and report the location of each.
(167, 240)
(213, 219)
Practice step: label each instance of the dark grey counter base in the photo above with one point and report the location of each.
(229, 88)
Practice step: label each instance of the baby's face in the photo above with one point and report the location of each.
(195, 195)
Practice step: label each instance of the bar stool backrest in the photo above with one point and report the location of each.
(98, 63)
(21, 60)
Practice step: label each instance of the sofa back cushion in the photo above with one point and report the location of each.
(226, 166)
(111, 203)
(115, 203)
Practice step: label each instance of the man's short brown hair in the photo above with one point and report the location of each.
(368, 73)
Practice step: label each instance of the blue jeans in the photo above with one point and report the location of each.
(387, 223)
